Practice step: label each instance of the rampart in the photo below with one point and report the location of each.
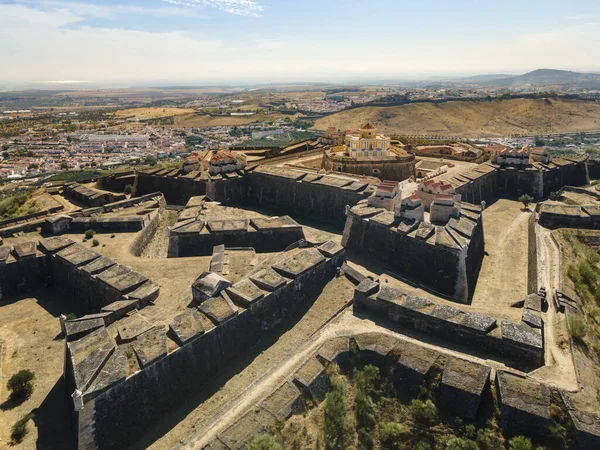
(487, 182)
(295, 193)
(117, 408)
(90, 196)
(569, 216)
(445, 259)
(193, 236)
(319, 197)
(90, 279)
(519, 342)
(393, 168)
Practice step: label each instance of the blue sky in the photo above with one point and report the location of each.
(211, 41)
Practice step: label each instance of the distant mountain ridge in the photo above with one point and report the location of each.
(547, 76)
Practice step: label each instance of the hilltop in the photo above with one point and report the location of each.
(548, 77)
(474, 119)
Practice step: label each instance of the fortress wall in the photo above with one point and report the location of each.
(532, 272)
(117, 182)
(88, 293)
(201, 244)
(572, 174)
(477, 331)
(483, 188)
(444, 270)
(395, 170)
(131, 407)
(177, 191)
(23, 275)
(303, 199)
(475, 254)
(231, 191)
(145, 236)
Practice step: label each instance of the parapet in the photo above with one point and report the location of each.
(520, 342)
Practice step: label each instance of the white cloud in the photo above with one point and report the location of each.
(239, 7)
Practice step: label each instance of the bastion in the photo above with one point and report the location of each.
(392, 167)
(444, 258)
(112, 406)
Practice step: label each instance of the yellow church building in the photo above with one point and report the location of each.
(367, 144)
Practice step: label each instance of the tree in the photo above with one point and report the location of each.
(338, 423)
(19, 429)
(64, 165)
(520, 443)
(128, 189)
(457, 443)
(526, 199)
(21, 384)
(264, 441)
(366, 380)
(89, 234)
(424, 413)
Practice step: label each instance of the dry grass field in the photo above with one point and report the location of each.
(474, 119)
(152, 113)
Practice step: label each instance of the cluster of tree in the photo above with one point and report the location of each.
(362, 411)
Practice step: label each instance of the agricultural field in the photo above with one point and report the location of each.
(151, 113)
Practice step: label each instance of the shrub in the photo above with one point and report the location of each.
(457, 443)
(338, 422)
(264, 441)
(112, 236)
(366, 380)
(526, 200)
(421, 445)
(576, 326)
(487, 440)
(95, 243)
(391, 434)
(71, 316)
(19, 429)
(20, 384)
(424, 413)
(89, 234)
(128, 189)
(520, 443)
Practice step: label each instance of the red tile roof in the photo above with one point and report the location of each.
(368, 126)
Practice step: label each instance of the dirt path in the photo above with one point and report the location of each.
(260, 363)
(559, 368)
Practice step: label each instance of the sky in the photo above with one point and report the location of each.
(193, 42)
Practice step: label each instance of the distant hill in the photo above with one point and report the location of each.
(484, 78)
(473, 119)
(547, 77)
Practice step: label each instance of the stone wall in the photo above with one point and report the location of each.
(488, 182)
(444, 266)
(399, 169)
(177, 191)
(263, 241)
(311, 196)
(520, 343)
(117, 182)
(569, 216)
(532, 272)
(128, 408)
